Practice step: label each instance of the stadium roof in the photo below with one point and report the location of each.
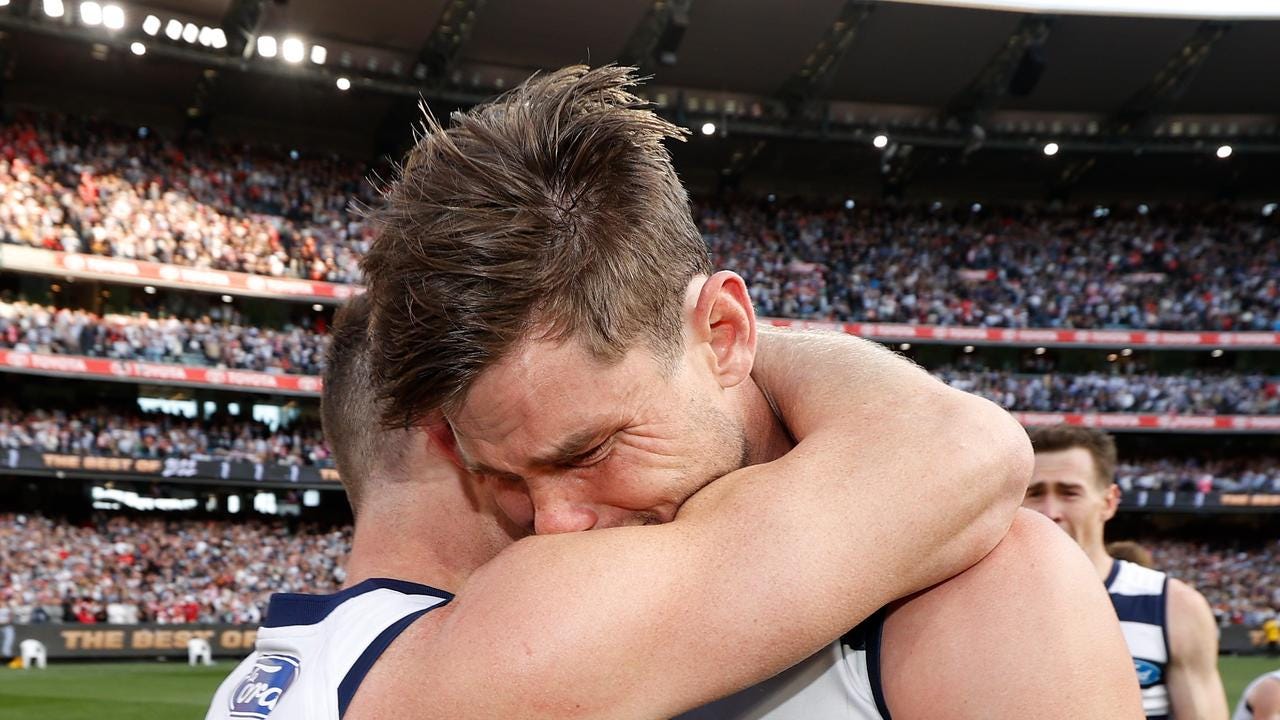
(822, 69)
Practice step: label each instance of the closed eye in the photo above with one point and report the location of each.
(594, 456)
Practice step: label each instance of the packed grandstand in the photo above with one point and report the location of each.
(78, 187)
(129, 569)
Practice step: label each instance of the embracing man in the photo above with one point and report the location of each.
(544, 316)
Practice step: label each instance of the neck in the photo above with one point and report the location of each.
(420, 537)
(390, 547)
(767, 437)
(1102, 562)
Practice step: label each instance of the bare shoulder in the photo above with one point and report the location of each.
(1187, 602)
(1192, 629)
(1265, 699)
(1028, 627)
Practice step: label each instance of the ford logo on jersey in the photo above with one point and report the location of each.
(257, 694)
(1148, 673)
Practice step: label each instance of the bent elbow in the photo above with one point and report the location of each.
(1002, 462)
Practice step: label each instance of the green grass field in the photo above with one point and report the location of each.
(173, 691)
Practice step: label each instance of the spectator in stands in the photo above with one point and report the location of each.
(132, 433)
(160, 570)
(38, 328)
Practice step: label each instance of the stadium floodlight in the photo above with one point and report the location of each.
(849, 204)
(226, 298)
(319, 54)
(150, 289)
(190, 33)
(218, 38)
(138, 49)
(708, 128)
(54, 8)
(1224, 152)
(151, 25)
(267, 46)
(205, 37)
(173, 30)
(1268, 210)
(968, 349)
(113, 17)
(1192, 9)
(90, 13)
(904, 347)
(1051, 149)
(880, 141)
(1040, 351)
(976, 207)
(4, 3)
(1216, 353)
(292, 50)
(344, 84)
(1143, 209)
(317, 307)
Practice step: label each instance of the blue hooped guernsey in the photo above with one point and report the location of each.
(313, 651)
(1139, 595)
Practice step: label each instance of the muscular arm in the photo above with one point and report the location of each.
(757, 572)
(1195, 688)
(1265, 700)
(827, 382)
(1029, 632)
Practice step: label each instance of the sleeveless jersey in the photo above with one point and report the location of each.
(1138, 594)
(1243, 711)
(840, 682)
(313, 651)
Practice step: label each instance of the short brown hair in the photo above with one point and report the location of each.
(1101, 446)
(553, 212)
(362, 450)
(1131, 551)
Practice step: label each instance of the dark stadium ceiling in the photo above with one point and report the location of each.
(928, 75)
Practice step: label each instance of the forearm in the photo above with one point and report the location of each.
(1198, 694)
(951, 469)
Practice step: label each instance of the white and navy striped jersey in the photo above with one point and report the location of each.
(1139, 596)
(313, 651)
(1243, 711)
(841, 682)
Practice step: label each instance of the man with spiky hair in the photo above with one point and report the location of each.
(538, 288)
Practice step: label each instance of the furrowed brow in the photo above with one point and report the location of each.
(573, 446)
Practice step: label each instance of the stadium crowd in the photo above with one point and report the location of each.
(123, 569)
(156, 435)
(83, 187)
(1216, 394)
(1238, 474)
(1001, 269)
(172, 570)
(103, 431)
(39, 328)
(94, 188)
(1238, 583)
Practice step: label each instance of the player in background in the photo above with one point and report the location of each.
(1167, 624)
(1261, 699)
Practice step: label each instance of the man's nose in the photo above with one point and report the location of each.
(1043, 505)
(553, 513)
